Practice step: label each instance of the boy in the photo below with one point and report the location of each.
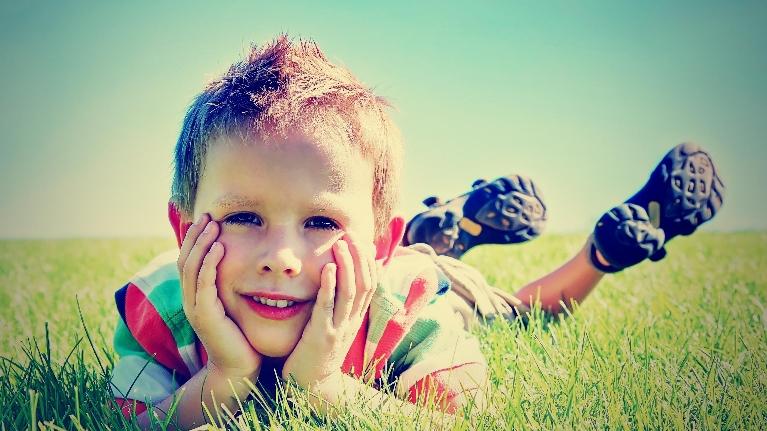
(289, 169)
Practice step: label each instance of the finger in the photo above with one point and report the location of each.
(207, 292)
(362, 277)
(189, 239)
(192, 265)
(324, 304)
(187, 290)
(368, 296)
(345, 285)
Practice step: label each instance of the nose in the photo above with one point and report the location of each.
(280, 256)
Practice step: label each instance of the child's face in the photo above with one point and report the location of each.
(280, 209)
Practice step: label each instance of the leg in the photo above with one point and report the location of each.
(683, 192)
(572, 281)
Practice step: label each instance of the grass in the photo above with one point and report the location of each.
(678, 344)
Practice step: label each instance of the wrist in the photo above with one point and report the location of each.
(333, 388)
(234, 374)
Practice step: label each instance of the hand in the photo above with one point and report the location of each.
(346, 288)
(228, 350)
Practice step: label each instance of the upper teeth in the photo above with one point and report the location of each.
(279, 303)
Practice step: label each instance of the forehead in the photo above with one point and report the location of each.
(305, 161)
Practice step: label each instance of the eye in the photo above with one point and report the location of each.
(243, 219)
(322, 223)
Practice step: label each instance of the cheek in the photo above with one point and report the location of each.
(233, 266)
(314, 262)
(319, 249)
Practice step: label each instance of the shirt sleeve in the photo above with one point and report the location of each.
(440, 360)
(156, 346)
(137, 377)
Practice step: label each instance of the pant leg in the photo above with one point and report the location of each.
(471, 296)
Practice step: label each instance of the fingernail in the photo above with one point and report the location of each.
(207, 227)
(331, 268)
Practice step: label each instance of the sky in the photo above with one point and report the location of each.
(583, 97)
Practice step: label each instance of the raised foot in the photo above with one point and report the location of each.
(504, 211)
(683, 192)
(694, 191)
(624, 236)
(513, 207)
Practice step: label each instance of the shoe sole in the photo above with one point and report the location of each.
(684, 191)
(506, 211)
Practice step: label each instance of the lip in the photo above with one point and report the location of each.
(275, 296)
(274, 313)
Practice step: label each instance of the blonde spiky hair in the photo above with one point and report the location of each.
(288, 86)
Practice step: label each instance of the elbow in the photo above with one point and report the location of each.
(452, 390)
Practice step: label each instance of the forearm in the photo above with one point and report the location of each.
(208, 383)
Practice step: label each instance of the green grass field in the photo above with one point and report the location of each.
(678, 344)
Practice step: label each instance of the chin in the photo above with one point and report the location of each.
(274, 343)
(275, 351)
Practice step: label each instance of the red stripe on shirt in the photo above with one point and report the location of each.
(127, 406)
(151, 331)
(436, 387)
(417, 295)
(355, 358)
(398, 325)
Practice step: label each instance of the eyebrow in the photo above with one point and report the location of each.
(232, 200)
(324, 205)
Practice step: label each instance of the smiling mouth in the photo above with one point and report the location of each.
(274, 306)
(279, 303)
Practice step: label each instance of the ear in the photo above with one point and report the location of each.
(387, 243)
(179, 222)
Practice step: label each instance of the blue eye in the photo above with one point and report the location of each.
(243, 219)
(322, 223)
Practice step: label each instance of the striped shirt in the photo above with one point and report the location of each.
(410, 334)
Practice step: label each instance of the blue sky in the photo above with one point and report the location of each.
(584, 97)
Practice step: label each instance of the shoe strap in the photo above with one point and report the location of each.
(471, 227)
(609, 269)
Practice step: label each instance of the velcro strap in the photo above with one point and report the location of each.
(471, 227)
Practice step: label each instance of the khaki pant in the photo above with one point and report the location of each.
(471, 297)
